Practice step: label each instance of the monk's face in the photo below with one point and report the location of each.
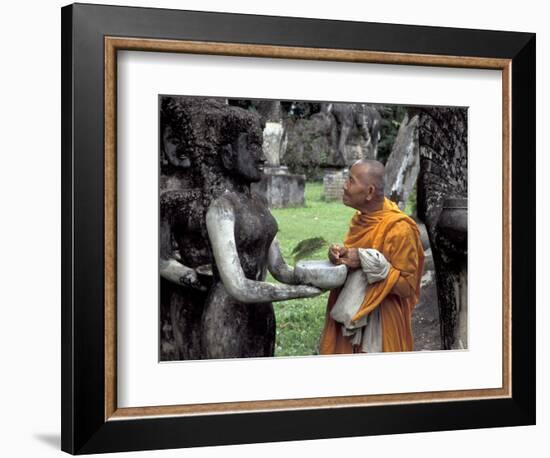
(358, 189)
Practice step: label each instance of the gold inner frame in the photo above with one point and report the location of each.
(112, 45)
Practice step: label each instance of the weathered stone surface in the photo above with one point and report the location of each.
(269, 110)
(274, 143)
(280, 188)
(333, 184)
(403, 164)
(236, 330)
(334, 137)
(442, 180)
(232, 329)
(182, 233)
(359, 131)
(311, 144)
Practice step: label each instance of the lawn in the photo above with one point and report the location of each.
(300, 321)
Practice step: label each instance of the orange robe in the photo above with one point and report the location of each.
(397, 237)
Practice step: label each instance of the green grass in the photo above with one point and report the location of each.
(300, 321)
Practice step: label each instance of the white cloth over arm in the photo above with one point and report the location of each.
(374, 264)
(367, 331)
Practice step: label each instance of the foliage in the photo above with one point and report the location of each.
(308, 247)
(410, 206)
(392, 116)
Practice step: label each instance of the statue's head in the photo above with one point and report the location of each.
(239, 137)
(243, 157)
(209, 135)
(175, 132)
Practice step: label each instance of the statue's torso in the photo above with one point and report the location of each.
(255, 229)
(182, 231)
(232, 329)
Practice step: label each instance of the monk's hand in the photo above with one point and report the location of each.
(334, 252)
(350, 258)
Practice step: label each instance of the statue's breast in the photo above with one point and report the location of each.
(255, 229)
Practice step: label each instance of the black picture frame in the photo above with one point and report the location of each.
(84, 426)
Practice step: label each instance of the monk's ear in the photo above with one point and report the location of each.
(227, 156)
(370, 193)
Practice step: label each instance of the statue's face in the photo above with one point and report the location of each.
(172, 148)
(248, 157)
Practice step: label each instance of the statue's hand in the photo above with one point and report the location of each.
(191, 279)
(176, 272)
(308, 291)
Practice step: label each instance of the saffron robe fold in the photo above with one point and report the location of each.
(397, 237)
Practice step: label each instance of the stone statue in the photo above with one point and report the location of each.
(184, 245)
(403, 163)
(238, 319)
(443, 206)
(217, 236)
(361, 122)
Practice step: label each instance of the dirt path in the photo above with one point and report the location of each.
(425, 319)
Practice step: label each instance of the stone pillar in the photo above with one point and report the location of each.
(333, 184)
(274, 143)
(281, 188)
(442, 204)
(403, 164)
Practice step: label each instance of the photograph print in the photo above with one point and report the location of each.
(306, 228)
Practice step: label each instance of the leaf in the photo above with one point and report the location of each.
(308, 247)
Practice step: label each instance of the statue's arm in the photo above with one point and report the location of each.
(170, 266)
(220, 223)
(278, 267)
(176, 272)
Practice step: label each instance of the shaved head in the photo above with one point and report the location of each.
(364, 187)
(371, 172)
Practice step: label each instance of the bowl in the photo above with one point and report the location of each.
(322, 274)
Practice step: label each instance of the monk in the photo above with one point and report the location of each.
(383, 251)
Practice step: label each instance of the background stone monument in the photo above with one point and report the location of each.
(280, 187)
